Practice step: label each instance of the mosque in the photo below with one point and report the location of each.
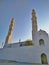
(30, 51)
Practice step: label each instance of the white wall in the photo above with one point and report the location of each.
(41, 48)
(31, 54)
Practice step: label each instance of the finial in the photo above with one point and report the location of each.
(12, 19)
(33, 11)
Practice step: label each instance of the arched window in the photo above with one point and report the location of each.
(41, 42)
(44, 58)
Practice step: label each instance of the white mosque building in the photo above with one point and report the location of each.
(35, 51)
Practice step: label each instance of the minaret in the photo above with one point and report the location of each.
(34, 21)
(34, 25)
(9, 36)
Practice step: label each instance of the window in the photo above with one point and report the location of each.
(44, 58)
(41, 42)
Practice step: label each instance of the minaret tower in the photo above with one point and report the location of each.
(34, 21)
(34, 25)
(9, 36)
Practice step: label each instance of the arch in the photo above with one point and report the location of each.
(41, 42)
(44, 58)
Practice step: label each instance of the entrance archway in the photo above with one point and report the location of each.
(44, 58)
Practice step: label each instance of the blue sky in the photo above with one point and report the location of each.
(21, 11)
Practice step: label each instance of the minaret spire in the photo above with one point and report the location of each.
(9, 36)
(34, 21)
